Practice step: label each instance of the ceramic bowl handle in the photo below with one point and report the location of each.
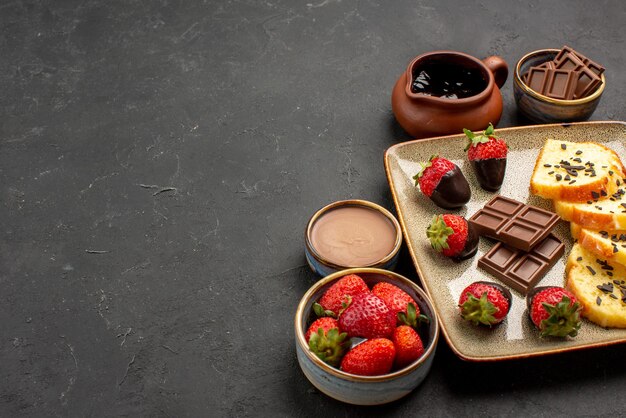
(498, 67)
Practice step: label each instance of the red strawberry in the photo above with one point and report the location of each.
(370, 358)
(485, 303)
(452, 236)
(367, 316)
(394, 297)
(555, 311)
(487, 155)
(409, 346)
(331, 301)
(444, 183)
(325, 323)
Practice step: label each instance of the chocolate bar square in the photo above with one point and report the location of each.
(568, 61)
(561, 84)
(587, 82)
(537, 79)
(519, 225)
(522, 270)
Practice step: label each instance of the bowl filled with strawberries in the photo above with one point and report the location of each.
(365, 336)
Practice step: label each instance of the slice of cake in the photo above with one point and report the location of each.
(576, 171)
(599, 286)
(602, 212)
(608, 245)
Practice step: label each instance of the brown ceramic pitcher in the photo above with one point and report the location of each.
(425, 116)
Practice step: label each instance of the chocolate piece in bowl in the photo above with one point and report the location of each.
(561, 84)
(587, 82)
(522, 270)
(568, 61)
(567, 50)
(519, 225)
(536, 78)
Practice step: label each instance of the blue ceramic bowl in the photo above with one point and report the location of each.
(544, 109)
(323, 267)
(365, 390)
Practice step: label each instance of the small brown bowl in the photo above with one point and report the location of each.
(323, 264)
(543, 109)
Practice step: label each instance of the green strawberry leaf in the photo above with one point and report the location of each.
(478, 311)
(564, 320)
(438, 232)
(483, 138)
(329, 347)
(411, 318)
(320, 312)
(424, 166)
(490, 130)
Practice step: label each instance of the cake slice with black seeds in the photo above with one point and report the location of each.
(576, 171)
(599, 286)
(607, 245)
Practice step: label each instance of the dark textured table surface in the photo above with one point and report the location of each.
(159, 161)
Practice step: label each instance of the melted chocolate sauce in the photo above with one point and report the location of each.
(447, 80)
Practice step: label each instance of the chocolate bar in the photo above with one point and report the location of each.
(519, 225)
(555, 83)
(522, 270)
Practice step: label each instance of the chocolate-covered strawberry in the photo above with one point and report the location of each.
(443, 182)
(485, 303)
(452, 236)
(487, 155)
(555, 311)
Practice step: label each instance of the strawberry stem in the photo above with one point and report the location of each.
(411, 318)
(564, 320)
(330, 347)
(424, 167)
(478, 311)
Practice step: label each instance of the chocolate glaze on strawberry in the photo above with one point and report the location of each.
(453, 190)
(506, 292)
(490, 172)
(471, 244)
(532, 293)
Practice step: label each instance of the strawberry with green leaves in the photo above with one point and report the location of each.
(443, 182)
(555, 311)
(485, 303)
(452, 236)
(326, 341)
(487, 155)
(333, 299)
(370, 358)
(326, 323)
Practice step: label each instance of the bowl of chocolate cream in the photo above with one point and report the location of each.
(352, 233)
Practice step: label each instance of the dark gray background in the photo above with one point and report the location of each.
(159, 161)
